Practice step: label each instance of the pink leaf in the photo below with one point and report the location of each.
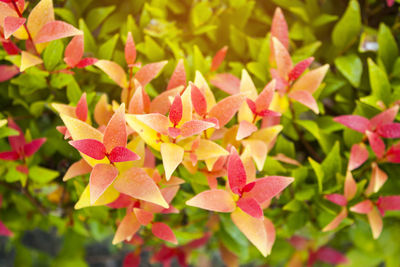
(363, 207)
(194, 127)
(336, 221)
(80, 167)
(225, 109)
(143, 216)
(266, 188)
(245, 129)
(174, 132)
(330, 255)
(11, 25)
(215, 200)
(390, 130)
(236, 172)
(250, 206)
(388, 203)
(337, 199)
(82, 108)
(149, 72)
(305, 98)
(393, 154)
(91, 147)
(227, 83)
(54, 30)
(17, 142)
(9, 155)
(390, 3)
(178, 78)
(218, 58)
(376, 143)
(102, 176)
(131, 260)
(385, 117)
(162, 231)
(87, 61)
(265, 97)
(358, 155)
(4, 230)
(130, 50)
(122, 154)
(74, 51)
(7, 72)
(115, 133)
(282, 58)
(32, 147)
(350, 186)
(199, 100)
(176, 110)
(354, 122)
(300, 67)
(279, 28)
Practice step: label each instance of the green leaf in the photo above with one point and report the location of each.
(53, 54)
(200, 13)
(5, 132)
(332, 164)
(89, 42)
(387, 51)
(42, 175)
(97, 15)
(237, 40)
(151, 49)
(74, 93)
(319, 172)
(348, 27)
(66, 15)
(380, 86)
(106, 50)
(351, 68)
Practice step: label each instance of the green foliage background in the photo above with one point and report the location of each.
(359, 39)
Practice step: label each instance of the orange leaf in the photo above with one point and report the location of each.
(350, 186)
(41, 14)
(215, 200)
(78, 168)
(378, 178)
(162, 231)
(156, 121)
(144, 217)
(226, 108)
(375, 221)
(178, 78)
(218, 58)
(311, 80)
(102, 111)
(358, 155)
(54, 30)
(161, 103)
(253, 229)
(336, 221)
(127, 228)
(266, 188)
(194, 127)
(130, 50)
(102, 176)
(136, 183)
(149, 72)
(74, 51)
(279, 28)
(172, 156)
(305, 98)
(115, 134)
(227, 83)
(282, 57)
(245, 129)
(113, 70)
(270, 229)
(11, 25)
(364, 207)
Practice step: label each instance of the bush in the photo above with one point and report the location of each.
(198, 132)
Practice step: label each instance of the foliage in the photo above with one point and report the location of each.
(262, 130)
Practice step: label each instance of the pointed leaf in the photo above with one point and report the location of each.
(136, 183)
(194, 127)
(28, 60)
(74, 51)
(162, 231)
(266, 188)
(32, 147)
(155, 121)
(41, 14)
(376, 143)
(264, 99)
(305, 98)
(82, 108)
(122, 154)
(218, 58)
(300, 67)
(113, 70)
(149, 72)
(7, 72)
(250, 206)
(90, 147)
(130, 50)
(336, 221)
(378, 179)
(199, 100)
(358, 155)
(363, 207)
(227, 83)
(390, 130)
(143, 216)
(311, 80)
(388, 203)
(385, 117)
(245, 129)
(208, 149)
(215, 200)
(236, 172)
(175, 112)
(172, 156)
(282, 57)
(279, 28)
(11, 25)
(115, 134)
(350, 186)
(376, 223)
(337, 199)
(9, 155)
(354, 122)
(178, 77)
(127, 228)
(226, 108)
(78, 168)
(101, 177)
(54, 30)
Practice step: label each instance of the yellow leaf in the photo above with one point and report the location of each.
(248, 88)
(42, 13)
(114, 71)
(208, 149)
(107, 197)
(28, 60)
(257, 150)
(172, 156)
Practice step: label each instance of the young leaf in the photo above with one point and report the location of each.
(54, 30)
(12, 24)
(215, 200)
(162, 231)
(178, 78)
(91, 147)
(130, 50)
(101, 177)
(172, 156)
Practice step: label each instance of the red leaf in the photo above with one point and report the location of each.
(9, 155)
(199, 100)
(388, 203)
(102, 176)
(10, 47)
(130, 50)
(393, 154)
(91, 147)
(384, 117)
(337, 199)
(390, 130)
(162, 231)
(266, 188)
(149, 72)
(17, 142)
(354, 122)
(364, 207)
(358, 155)
(227, 83)
(236, 172)
(131, 260)
(279, 28)
(121, 154)
(32, 147)
(252, 105)
(390, 3)
(115, 134)
(81, 110)
(11, 25)
(178, 78)
(376, 143)
(22, 169)
(87, 61)
(218, 58)
(300, 68)
(7, 72)
(74, 51)
(175, 112)
(250, 206)
(330, 255)
(54, 30)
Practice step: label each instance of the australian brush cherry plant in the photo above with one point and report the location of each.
(179, 163)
